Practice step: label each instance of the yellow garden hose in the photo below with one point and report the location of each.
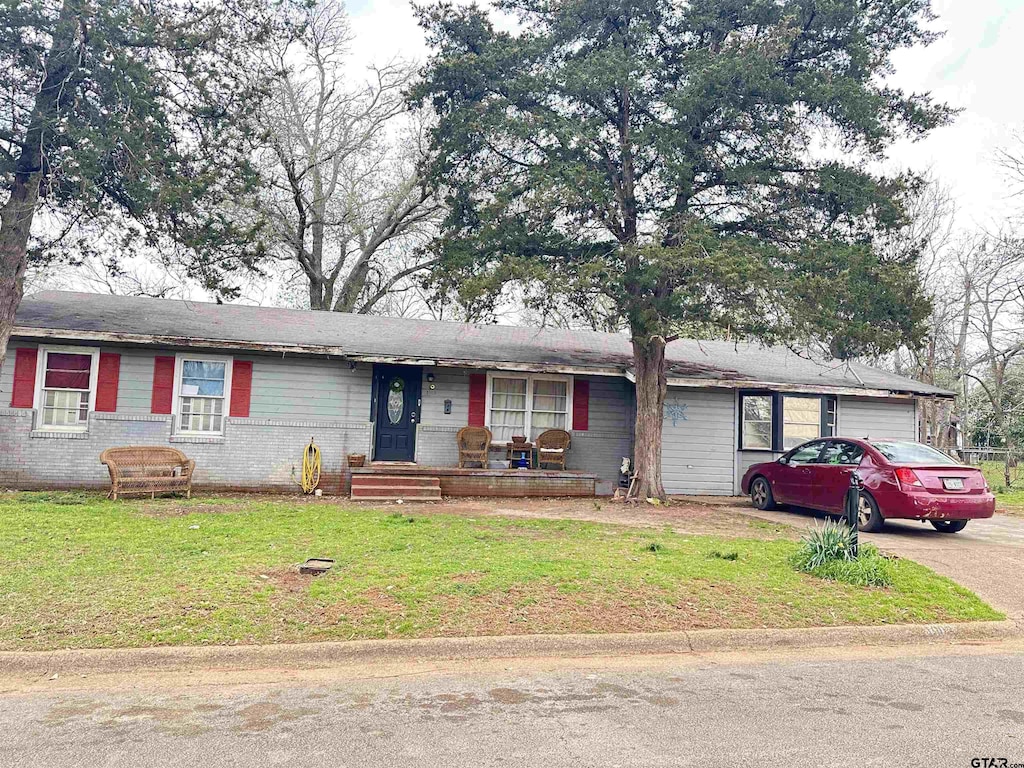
(310, 467)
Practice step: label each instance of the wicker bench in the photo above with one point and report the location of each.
(148, 469)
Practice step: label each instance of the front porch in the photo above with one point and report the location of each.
(387, 480)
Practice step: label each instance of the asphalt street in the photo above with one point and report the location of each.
(933, 706)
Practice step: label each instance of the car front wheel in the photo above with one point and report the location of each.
(761, 494)
(948, 526)
(869, 519)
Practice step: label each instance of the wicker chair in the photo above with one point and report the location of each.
(474, 445)
(552, 447)
(148, 469)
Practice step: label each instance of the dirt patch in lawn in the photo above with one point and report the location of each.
(287, 579)
(704, 515)
(697, 515)
(173, 508)
(546, 609)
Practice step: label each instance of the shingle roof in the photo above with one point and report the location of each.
(60, 314)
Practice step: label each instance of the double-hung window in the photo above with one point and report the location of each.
(68, 387)
(527, 405)
(202, 385)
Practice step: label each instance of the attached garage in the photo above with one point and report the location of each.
(698, 444)
(875, 417)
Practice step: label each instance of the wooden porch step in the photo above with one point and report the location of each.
(392, 487)
(386, 481)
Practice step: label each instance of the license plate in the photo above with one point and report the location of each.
(953, 483)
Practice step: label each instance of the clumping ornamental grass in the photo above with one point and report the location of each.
(827, 552)
(78, 571)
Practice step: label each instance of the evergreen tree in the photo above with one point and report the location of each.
(697, 165)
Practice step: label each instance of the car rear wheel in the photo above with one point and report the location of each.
(948, 526)
(761, 494)
(869, 519)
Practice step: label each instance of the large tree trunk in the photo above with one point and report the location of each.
(651, 387)
(15, 224)
(352, 288)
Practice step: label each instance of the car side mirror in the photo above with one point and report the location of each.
(782, 460)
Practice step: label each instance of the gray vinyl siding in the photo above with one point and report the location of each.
(871, 417)
(698, 451)
(746, 459)
(7, 373)
(135, 381)
(309, 388)
(435, 435)
(609, 433)
(449, 384)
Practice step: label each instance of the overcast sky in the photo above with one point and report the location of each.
(978, 66)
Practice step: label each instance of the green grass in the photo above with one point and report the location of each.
(1009, 500)
(77, 571)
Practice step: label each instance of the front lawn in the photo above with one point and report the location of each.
(77, 571)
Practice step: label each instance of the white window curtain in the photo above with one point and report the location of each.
(550, 406)
(801, 420)
(527, 405)
(508, 408)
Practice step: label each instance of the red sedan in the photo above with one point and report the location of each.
(902, 480)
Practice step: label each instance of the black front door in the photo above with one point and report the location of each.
(396, 411)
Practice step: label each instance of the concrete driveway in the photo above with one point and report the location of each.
(986, 557)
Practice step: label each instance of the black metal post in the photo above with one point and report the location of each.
(853, 510)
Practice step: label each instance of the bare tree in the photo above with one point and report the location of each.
(997, 317)
(942, 259)
(1011, 161)
(348, 204)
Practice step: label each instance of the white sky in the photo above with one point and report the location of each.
(978, 66)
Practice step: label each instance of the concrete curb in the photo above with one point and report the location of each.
(370, 652)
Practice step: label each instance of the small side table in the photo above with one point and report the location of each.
(514, 452)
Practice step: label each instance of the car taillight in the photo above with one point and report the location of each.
(907, 476)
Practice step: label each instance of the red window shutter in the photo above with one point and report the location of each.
(24, 387)
(107, 378)
(581, 405)
(241, 388)
(163, 384)
(477, 399)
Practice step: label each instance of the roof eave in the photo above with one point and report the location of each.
(134, 339)
(811, 389)
(26, 332)
(171, 341)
